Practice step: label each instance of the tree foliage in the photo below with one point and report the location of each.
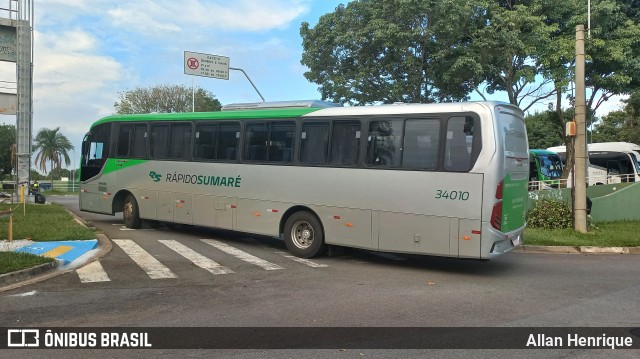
(621, 125)
(165, 99)
(7, 141)
(511, 47)
(372, 51)
(542, 130)
(53, 147)
(426, 51)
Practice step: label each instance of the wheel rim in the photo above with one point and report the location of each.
(302, 234)
(128, 211)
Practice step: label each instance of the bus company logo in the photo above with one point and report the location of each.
(155, 176)
(23, 338)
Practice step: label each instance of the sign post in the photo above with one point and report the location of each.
(214, 66)
(206, 65)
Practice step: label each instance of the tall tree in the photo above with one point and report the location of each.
(611, 49)
(542, 130)
(621, 125)
(372, 51)
(611, 127)
(165, 99)
(53, 147)
(7, 140)
(510, 48)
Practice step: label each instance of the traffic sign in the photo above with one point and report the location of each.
(206, 65)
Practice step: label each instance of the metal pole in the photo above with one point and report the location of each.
(73, 172)
(247, 76)
(589, 18)
(580, 148)
(193, 96)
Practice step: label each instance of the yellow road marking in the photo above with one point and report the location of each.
(57, 251)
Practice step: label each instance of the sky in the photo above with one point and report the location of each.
(86, 52)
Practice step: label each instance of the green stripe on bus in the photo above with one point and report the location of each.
(514, 203)
(114, 164)
(204, 116)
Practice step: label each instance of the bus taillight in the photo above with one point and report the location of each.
(499, 189)
(496, 216)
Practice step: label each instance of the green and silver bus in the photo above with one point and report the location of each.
(545, 169)
(437, 179)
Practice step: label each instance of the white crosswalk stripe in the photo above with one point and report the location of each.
(249, 258)
(93, 272)
(153, 268)
(306, 262)
(196, 258)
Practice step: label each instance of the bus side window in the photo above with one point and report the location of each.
(180, 144)
(204, 142)
(281, 141)
(314, 142)
(421, 144)
(384, 146)
(159, 141)
(124, 141)
(132, 141)
(255, 142)
(459, 144)
(345, 142)
(139, 142)
(227, 141)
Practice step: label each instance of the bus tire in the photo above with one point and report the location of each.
(130, 212)
(303, 235)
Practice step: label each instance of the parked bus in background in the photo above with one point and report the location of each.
(545, 169)
(610, 162)
(444, 179)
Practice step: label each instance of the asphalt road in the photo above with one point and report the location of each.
(355, 289)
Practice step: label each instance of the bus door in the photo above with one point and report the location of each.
(95, 152)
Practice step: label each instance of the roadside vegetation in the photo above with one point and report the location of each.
(43, 223)
(550, 224)
(13, 261)
(610, 234)
(40, 223)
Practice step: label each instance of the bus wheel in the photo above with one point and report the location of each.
(130, 212)
(303, 235)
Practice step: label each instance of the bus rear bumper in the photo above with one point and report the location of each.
(506, 245)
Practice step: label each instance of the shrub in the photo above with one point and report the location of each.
(550, 214)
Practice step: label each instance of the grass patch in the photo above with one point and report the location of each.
(43, 223)
(13, 261)
(610, 234)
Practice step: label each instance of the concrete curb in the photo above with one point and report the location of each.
(48, 270)
(549, 249)
(13, 278)
(580, 250)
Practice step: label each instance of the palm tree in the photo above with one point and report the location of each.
(53, 147)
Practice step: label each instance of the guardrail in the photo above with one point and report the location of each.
(62, 186)
(592, 181)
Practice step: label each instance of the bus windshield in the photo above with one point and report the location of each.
(550, 165)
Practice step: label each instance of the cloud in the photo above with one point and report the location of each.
(158, 17)
(72, 82)
(66, 66)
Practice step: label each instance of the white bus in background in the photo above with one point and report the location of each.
(444, 179)
(609, 162)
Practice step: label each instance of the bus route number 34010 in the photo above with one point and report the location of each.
(452, 195)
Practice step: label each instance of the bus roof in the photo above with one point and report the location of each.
(322, 109)
(280, 104)
(216, 115)
(537, 151)
(603, 146)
